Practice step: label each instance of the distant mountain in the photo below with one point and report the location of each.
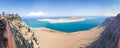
(110, 36)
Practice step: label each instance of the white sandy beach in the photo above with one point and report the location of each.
(54, 39)
(62, 20)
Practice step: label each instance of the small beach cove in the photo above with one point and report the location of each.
(66, 35)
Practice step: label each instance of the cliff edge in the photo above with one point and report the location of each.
(23, 35)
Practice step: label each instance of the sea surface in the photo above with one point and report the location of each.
(65, 27)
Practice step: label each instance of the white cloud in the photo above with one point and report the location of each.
(39, 13)
(110, 13)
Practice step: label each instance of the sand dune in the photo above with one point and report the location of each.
(54, 39)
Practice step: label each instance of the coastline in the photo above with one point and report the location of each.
(49, 38)
(48, 29)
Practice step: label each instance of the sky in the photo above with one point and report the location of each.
(61, 7)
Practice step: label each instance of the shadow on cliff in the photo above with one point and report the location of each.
(20, 41)
(110, 36)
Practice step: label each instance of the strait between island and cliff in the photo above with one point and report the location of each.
(105, 35)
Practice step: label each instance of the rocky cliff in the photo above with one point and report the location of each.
(110, 36)
(23, 35)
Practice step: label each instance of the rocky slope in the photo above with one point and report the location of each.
(110, 36)
(23, 35)
(107, 22)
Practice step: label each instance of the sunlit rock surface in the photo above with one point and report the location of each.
(23, 35)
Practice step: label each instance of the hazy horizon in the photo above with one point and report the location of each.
(61, 7)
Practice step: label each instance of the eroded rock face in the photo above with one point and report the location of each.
(107, 22)
(110, 36)
(23, 35)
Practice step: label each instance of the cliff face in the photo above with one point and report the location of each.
(23, 35)
(107, 22)
(110, 36)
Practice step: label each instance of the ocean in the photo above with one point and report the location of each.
(64, 27)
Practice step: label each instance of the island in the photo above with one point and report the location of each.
(63, 20)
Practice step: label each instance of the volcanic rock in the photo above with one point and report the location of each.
(110, 36)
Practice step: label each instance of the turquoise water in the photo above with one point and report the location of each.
(65, 27)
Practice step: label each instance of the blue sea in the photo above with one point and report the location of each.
(64, 27)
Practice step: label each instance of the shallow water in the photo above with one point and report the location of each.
(65, 27)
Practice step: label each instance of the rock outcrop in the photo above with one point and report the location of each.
(23, 35)
(107, 22)
(110, 36)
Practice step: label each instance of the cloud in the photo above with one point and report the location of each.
(111, 13)
(39, 13)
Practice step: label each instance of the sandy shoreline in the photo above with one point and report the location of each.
(63, 20)
(54, 39)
